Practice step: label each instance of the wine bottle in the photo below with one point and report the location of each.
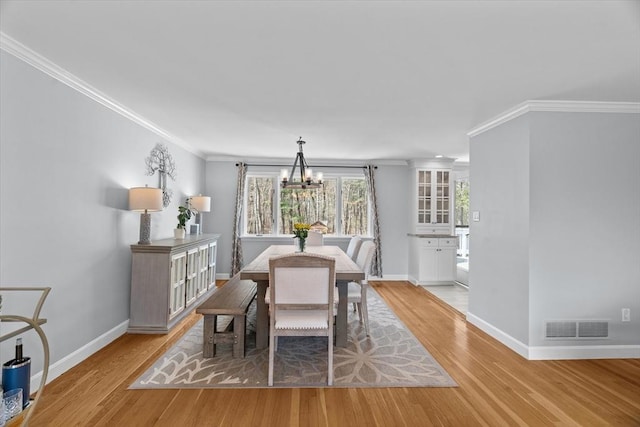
(16, 373)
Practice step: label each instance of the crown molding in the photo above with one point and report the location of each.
(41, 63)
(556, 106)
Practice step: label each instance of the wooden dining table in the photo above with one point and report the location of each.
(258, 271)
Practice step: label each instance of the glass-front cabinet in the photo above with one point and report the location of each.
(433, 203)
(433, 197)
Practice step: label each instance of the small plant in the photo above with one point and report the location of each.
(184, 215)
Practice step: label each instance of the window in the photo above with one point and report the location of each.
(341, 205)
(462, 203)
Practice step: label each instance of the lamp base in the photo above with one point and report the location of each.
(145, 229)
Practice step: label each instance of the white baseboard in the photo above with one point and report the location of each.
(585, 352)
(390, 277)
(506, 339)
(556, 352)
(63, 365)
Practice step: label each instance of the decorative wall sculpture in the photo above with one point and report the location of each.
(161, 161)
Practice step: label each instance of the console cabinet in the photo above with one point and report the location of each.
(167, 278)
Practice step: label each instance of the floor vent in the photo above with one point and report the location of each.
(577, 329)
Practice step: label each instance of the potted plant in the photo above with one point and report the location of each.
(184, 215)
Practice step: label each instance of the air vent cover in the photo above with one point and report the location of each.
(593, 329)
(577, 329)
(561, 330)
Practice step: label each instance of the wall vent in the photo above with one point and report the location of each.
(593, 329)
(577, 329)
(561, 330)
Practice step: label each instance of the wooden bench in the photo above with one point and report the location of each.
(232, 299)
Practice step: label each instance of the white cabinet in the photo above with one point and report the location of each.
(432, 259)
(432, 197)
(168, 278)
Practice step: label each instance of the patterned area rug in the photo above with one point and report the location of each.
(390, 357)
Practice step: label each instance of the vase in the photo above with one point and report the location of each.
(301, 244)
(179, 233)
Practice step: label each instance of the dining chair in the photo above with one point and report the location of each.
(357, 292)
(301, 287)
(354, 247)
(315, 238)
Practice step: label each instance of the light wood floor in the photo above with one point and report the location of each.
(496, 386)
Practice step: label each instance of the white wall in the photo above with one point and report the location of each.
(66, 165)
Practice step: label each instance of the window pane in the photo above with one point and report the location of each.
(462, 203)
(309, 206)
(259, 205)
(355, 215)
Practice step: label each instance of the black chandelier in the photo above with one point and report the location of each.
(306, 174)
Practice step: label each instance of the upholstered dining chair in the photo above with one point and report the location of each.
(354, 247)
(357, 292)
(315, 238)
(301, 287)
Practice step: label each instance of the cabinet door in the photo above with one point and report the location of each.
(424, 197)
(446, 264)
(442, 190)
(428, 263)
(203, 269)
(177, 287)
(191, 281)
(211, 273)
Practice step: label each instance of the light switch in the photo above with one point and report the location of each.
(476, 216)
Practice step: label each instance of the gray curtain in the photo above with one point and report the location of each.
(236, 248)
(376, 263)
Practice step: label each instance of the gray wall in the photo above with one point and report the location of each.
(560, 225)
(585, 222)
(392, 185)
(66, 164)
(498, 254)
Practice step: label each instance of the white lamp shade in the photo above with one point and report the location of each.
(145, 198)
(201, 203)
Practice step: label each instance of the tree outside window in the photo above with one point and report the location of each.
(462, 203)
(341, 204)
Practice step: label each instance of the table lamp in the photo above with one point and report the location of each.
(144, 200)
(200, 204)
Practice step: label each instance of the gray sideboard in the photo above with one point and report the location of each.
(168, 278)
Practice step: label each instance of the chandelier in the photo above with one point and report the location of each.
(306, 174)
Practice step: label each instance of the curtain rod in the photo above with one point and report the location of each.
(312, 166)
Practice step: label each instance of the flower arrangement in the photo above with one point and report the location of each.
(301, 230)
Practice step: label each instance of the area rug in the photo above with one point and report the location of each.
(390, 357)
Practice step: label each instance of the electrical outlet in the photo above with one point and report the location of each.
(626, 315)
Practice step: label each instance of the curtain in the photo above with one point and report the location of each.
(376, 263)
(236, 248)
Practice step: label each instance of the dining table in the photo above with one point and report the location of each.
(258, 271)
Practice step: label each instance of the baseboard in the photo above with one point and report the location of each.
(63, 365)
(585, 352)
(390, 277)
(556, 352)
(506, 339)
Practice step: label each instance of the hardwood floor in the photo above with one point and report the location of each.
(496, 386)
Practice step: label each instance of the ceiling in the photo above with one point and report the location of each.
(358, 80)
